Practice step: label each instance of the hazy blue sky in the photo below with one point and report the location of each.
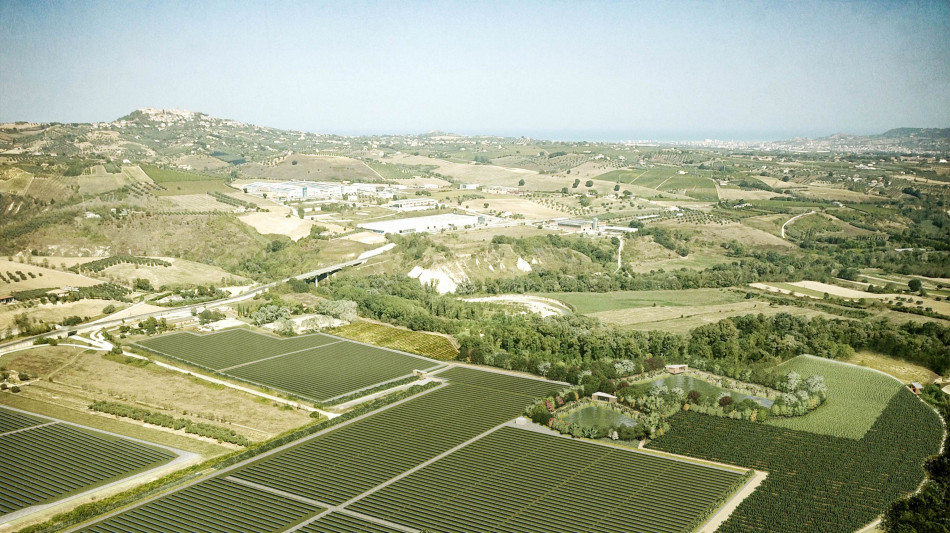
(548, 69)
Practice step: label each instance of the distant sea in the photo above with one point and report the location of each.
(607, 135)
(621, 135)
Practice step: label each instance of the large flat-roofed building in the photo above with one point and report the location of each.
(316, 190)
(429, 224)
(413, 204)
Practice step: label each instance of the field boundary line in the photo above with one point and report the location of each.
(181, 458)
(531, 426)
(225, 369)
(374, 385)
(27, 428)
(510, 373)
(278, 492)
(217, 377)
(224, 471)
(420, 466)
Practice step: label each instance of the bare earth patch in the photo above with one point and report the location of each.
(50, 278)
(80, 377)
(529, 209)
(277, 221)
(535, 304)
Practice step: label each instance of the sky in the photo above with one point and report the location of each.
(559, 70)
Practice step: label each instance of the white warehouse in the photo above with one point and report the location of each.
(429, 224)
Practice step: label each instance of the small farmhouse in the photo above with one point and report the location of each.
(603, 397)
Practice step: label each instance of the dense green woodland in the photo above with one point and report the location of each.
(489, 335)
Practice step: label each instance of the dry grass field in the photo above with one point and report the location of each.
(735, 193)
(201, 162)
(194, 202)
(530, 210)
(482, 174)
(277, 222)
(136, 174)
(681, 319)
(181, 272)
(73, 378)
(902, 370)
(44, 277)
(311, 167)
(54, 313)
(840, 292)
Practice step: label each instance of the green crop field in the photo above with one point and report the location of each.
(43, 462)
(343, 523)
(317, 367)
(667, 179)
(353, 459)
(332, 370)
(418, 342)
(856, 397)
(12, 421)
(167, 175)
(229, 348)
(333, 467)
(816, 482)
(521, 481)
(585, 302)
(216, 505)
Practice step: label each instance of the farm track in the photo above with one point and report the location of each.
(63, 460)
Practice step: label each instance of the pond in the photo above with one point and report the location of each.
(595, 416)
(688, 383)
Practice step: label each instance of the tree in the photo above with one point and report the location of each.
(563, 190)
(521, 183)
(316, 231)
(142, 284)
(616, 187)
(589, 183)
(693, 396)
(725, 401)
(915, 285)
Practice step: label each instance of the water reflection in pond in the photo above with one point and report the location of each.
(688, 383)
(595, 416)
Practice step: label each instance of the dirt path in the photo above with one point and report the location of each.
(793, 219)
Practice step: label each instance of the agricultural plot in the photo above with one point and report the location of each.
(213, 506)
(13, 421)
(856, 397)
(521, 481)
(44, 462)
(425, 344)
(343, 523)
(530, 388)
(346, 462)
(228, 348)
(667, 179)
(586, 303)
(316, 367)
(816, 482)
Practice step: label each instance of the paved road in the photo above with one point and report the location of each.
(176, 312)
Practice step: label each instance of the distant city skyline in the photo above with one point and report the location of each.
(600, 71)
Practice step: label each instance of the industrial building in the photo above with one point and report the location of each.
(316, 190)
(428, 224)
(413, 204)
